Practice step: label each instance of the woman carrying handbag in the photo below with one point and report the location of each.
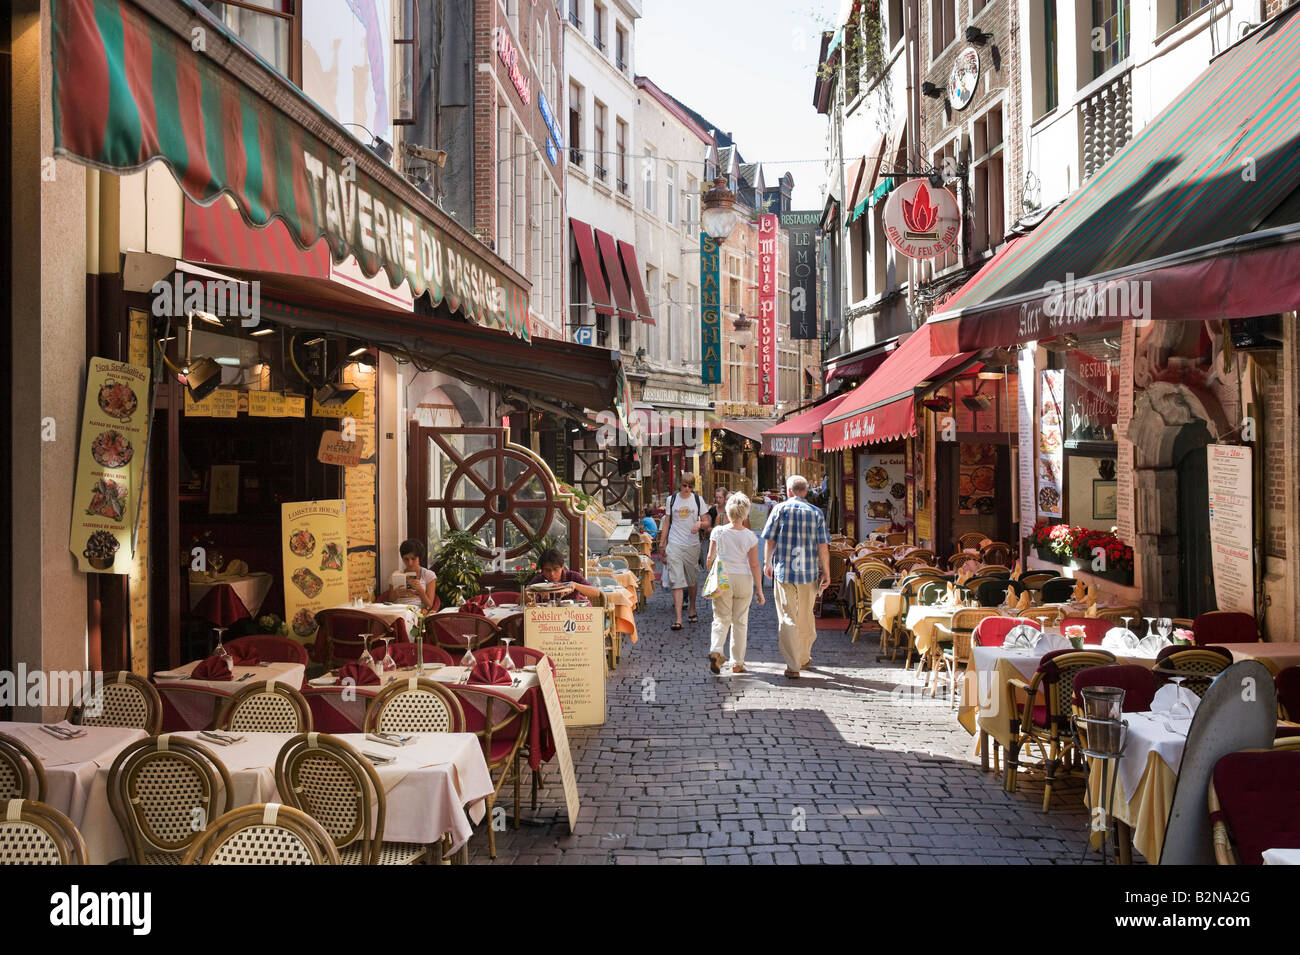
(733, 580)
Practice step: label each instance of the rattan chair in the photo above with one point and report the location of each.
(268, 707)
(332, 782)
(893, 540)
(970, 541)
(996, 552)
(347, 633)
(1200, 665)
(265, 834)
(1044, 616)
(1116, 615)
(891, 639)
(995, 570)
(32, 833)
(906, 564)
(1252, 799)
(21, 774)
(957, 561)
(1046, 724)
(869, 574)
(923, 554)
(415, 706)
(1035, 579)
(454, 631)
(952, 648)
(163, 792)
(501, 725)
(126, 700)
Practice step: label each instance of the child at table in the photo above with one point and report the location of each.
(551, 570)
(422, 583)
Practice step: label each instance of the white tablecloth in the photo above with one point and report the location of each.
(195, 700)
(1281, 856)
(437, 784)
(352, 705)
(1147, 733)
(389, 613)
(76, 780)
(251, 589)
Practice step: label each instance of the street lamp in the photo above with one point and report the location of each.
(718, 215)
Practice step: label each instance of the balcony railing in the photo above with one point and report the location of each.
(600, 44)
(1107, 122)
(575, 19)
(600, 173)
(575, 156)
(622, 66)
(622, 186)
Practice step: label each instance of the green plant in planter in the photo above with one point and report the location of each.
(456, 562)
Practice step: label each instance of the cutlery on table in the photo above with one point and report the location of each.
(376, 758)
(243, 678)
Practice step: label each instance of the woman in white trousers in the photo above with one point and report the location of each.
(737, 547)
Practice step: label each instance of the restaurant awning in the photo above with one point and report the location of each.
(614, 272)
(800, 436)
(853, 182)
(860, 363)
(129, 90)
(590, 260)
(1197, 218)
(753, 430)
(633, 270)
(862, 199)
(883, 407)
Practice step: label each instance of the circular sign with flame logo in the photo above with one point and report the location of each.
(921, 221)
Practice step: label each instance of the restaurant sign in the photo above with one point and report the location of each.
(802, 228)
(788, 445)
(921, 221)
(710, 312)
(767, 252)
(314, 537)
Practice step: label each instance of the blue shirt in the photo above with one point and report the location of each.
(649, 526)
(798, 529)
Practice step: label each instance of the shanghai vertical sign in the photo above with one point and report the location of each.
(767, 235)
(710, 312)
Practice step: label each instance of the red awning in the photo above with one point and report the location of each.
(883, 407)
(614, 271)
(859, 365)
(591, 266)
(800, 436)
(853, 182)
(634, 280)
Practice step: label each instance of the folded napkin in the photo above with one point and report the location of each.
(1023, 603)
(1021, 637)
(1118, 638)
(962, 577)
(489, 673)
(475, 609)
(1090, 594)
(1015, 571)
(477, 605)
(1091, 612)
(1169, 694)
(360, 674)
(1009, 598)
(248, 658)
(1079, 590)
(952, 592)
(213, 668)
(403, 654)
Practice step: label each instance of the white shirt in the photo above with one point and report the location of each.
(733, 547)
(685, 512)
(426, 576)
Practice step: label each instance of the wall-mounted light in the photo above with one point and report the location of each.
(358, 351)
(977, 36)
(930, 90)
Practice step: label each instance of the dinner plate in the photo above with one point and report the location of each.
(531, 668)
(326, 680)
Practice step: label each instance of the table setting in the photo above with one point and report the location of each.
(193, 693)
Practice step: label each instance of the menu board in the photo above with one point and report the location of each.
(883, 489)
(314, 543)
(560, 737)
(977, 479)
(1092, 393)
(222, 403)
(1026, 459)
(573, 637)
(1050, 425)
(361, 485)
(1125, 528)
(139, 345)
(110, 466)
(1231, 527)
(354, 407)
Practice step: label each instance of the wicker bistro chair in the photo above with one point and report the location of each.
(869, 577)
(21, 774)
(1252, 799)
(909, 562)
(415, 706)
(454, 631)
(1115, 615)
(996, 552)
(1043, 616)
(1057, 590)
(896, 538)
(501, 725)
(32, 833)
(1199, 665)
(1034, 580)
(346, 633)
(952, 649)
(163, 792)
(265, 834)
(268, 707)
(1046, 724)
(992, 632)
(269, 648)
(1224, 626)
(891, 641)
(327, 778)
(995, 570)
(970, 541)
(126, 700)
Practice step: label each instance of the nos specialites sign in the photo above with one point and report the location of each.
(767, 235)
(710, 312)
(920, 221)
(802, 228)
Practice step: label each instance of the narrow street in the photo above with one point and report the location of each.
(847, 764)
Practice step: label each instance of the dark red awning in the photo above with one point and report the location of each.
(634, 280)
(800, 436)
(614, 271)
(590, 259)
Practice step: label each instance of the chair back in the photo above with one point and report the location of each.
(1035, 579)
(869, 577)
(1058, 590)
(268, 707)
(908, 563)
(499, 722)
(996, 552)
(124, 700)
(1043, 616)
(964, 624)
(839, 563)
(995, 570)
(1094, 628)
(922, 553)
(970, 541)
(1136, 681)
(404, 654)
(32, 833)
(1056, 673)
(265, 834)
(269, 648)
(456, 631)
(993, 592)
(959, 560)
(613, 563)
(347, 633)
(931, 592)
(1199, 665)
(21, 774)
(415, 705)
(992, 630)
(1224, 626)
(1116, 615)
(163, 791)
(329, 780)
(1251, 804)
(1287, 683)
(893, 540)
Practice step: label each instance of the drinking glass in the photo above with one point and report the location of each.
(1180, 710)
(220, 649)
(468, 660)
(217, 561)
(389, 663)
(507, 661)
(1164, 627)
(1151, 625)
(487, 589)
(366, 659)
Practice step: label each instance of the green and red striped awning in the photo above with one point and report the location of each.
(1197, 218)
(130, 88)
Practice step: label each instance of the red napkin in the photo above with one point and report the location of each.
(361, 675)
(403, 654)
(475, 609)
(213, 668)
(247, 659)
(489, 673)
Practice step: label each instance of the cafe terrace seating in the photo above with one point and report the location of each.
(501, 725)
(21, 773)
(266, 834)
(343, 634)
(1094, 628)
(1252, 804)
(127, 700)
(416, 705)
(268, 707)
(268, 648)
(1135, 680)
(1224, 626)
(952, 649)
(32, 833)
(454, 631)
(1200, 665)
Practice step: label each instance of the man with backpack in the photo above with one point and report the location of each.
(679, 538)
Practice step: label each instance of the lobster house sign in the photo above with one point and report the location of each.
(921, 221)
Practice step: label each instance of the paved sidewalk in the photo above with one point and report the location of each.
(847, 764)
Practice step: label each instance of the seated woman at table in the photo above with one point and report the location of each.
(648, 523)
(422, 583)
(551, 570)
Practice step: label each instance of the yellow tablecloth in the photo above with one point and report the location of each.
(921, 621)
(1147, 811)
(885, 604)
(1275, 656)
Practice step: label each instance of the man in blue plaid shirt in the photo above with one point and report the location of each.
(797, 558)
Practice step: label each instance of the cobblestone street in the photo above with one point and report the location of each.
(846, 764)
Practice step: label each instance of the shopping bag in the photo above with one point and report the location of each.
(717, 581)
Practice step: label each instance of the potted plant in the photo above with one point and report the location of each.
(1075, 548)
(456, 562)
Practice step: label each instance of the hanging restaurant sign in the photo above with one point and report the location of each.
(129, 91)
(921, 221)
(767, 252)
(710, 313)
(964, 78)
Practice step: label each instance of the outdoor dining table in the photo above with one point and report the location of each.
(251, 588)
(401, 617)
(436, 785)
(76, 780)
(190, 704)
(885, 604)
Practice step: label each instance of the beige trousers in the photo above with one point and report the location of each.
(731, 612)
(798, 628)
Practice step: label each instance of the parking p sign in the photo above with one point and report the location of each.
(584, 335)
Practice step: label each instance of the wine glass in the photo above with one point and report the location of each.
(388, 663)
(468, 660)
(1151, 624)
(1164, 626)
(366, 660)
(1180, 710)
(220, 649)
(487, 590)
(218, 561)
(507, 661)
